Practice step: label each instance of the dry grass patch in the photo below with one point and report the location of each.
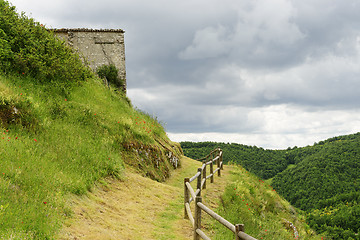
(139, 208)
(121, 210)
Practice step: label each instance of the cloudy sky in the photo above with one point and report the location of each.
(270, 73)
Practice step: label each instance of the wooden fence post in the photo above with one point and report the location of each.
(197, 219)
(198, 185)
(211, 172)
(239, 228)
(221, 161)
(218, 165)
(204, 174)
(186, 197)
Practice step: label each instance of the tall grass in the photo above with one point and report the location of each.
(60, 144)
(61, 130)
(251, 201)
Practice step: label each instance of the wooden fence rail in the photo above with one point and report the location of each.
(191, 195)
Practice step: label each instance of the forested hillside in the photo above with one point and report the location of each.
(323, 179)
(326, 183)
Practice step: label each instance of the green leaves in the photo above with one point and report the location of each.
(5, 50)
(325, 182)
(111, 74)
(26, 47)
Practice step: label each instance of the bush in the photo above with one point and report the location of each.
(28, 48)
(5, 50)
(111, 74)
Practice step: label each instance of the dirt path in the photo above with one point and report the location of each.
(139, 208)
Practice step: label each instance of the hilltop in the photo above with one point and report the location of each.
(62, 130)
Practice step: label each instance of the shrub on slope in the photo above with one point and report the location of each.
(27, 47)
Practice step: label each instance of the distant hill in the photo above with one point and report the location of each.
(264, 163)
(323, 179)
(326, 183)
(322, 171)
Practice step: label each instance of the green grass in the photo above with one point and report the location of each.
(251, 201)
(62, 143)
(166, 220)
(62, 130)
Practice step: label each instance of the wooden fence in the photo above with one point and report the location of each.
(201, 176)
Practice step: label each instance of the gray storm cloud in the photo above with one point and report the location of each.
(272, 73)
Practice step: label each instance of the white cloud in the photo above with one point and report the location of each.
(284, 126)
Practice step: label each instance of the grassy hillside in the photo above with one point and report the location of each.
(322, 179)
(266, 215)
(62, 130)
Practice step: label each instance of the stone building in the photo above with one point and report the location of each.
(98, 47)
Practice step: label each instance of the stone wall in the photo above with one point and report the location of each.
(98, 47)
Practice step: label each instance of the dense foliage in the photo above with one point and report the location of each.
(331, 171)
(111, 74)
(323, 179)
(338, 216)
(264, 163)
(326, 182)
(28, 48)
